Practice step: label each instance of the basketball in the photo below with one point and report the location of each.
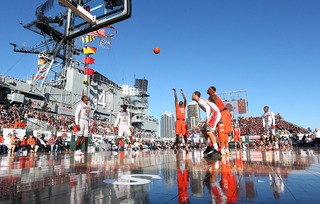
(156, 50)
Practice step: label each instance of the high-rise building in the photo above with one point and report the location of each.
(193, 114)
(167, 125)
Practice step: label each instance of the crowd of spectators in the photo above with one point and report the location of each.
(32, 144)
(17, 117)
(253, 126)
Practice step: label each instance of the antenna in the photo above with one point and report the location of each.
(122, 77)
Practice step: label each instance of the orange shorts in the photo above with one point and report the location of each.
(223, 136)
(237, 138)
(181, 126)
(226, 119)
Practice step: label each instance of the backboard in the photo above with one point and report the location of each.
(89, 15)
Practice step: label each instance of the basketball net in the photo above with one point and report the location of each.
(106, 36)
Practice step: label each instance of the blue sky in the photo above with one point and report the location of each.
(270, 48)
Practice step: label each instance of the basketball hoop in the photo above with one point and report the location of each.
(106, 36)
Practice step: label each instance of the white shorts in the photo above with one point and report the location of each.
(124, 130)
(84, 128)
(270, 131)
(214, 118)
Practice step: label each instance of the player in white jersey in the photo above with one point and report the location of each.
(82, 117)
(268, 121)
(213, 116)
(123, 120)
(269, 124)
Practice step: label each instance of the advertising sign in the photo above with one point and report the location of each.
(236, 107)
(97, 137)
(39, 132)
(65, 135)
(20, 133)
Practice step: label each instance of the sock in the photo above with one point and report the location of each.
(215, 145)
(217, 165)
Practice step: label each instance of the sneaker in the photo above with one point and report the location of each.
(210, 152)
(81, 153)
(216, 153)
(77, 153)
(208, 149)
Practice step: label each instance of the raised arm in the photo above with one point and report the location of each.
(184, 98)
(175, 96)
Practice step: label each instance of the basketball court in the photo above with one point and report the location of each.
(247, 176)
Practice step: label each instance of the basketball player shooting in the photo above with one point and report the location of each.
(181, 125)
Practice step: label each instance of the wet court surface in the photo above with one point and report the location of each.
(247, 176)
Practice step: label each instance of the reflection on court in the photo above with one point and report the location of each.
(289, 176)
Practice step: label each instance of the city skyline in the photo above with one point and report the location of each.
(167, 124)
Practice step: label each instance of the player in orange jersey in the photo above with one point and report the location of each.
(236, 136)
(225, 117)
(223, 138)
(228, 182)
(181, 125)
(183, 179)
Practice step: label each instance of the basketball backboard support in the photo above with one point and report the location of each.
(78, 9)
(102, 13)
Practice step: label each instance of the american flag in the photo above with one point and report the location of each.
(99, 32)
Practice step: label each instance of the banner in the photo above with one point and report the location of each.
(254, 137)
(88, 60)
(20, 133)
(232, 106)
(89, 50)
(65, 135)
(236, 107)
(110, 137)
(96, 137)
(39, 132)
(242, 107)
(88, 71)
